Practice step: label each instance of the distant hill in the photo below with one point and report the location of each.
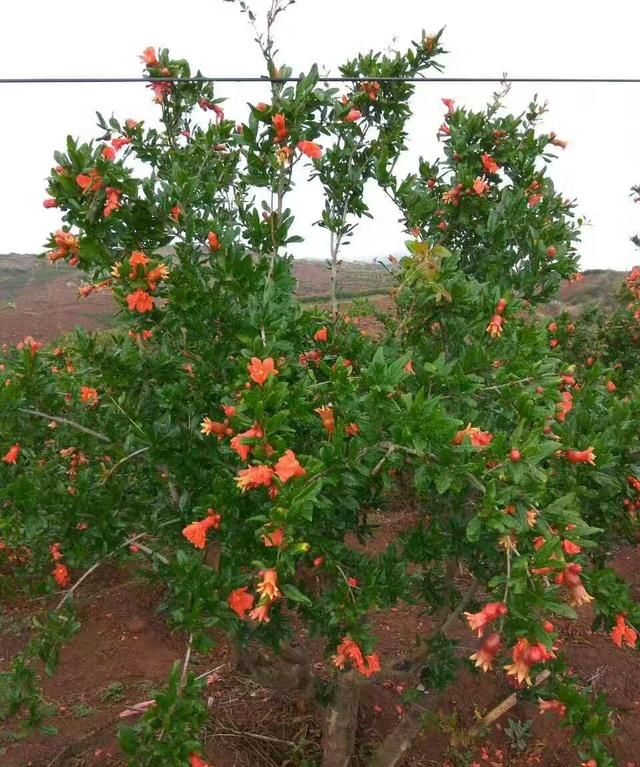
(21, 271)
(33, 288)
(598, 289)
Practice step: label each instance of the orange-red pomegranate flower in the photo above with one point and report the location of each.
(565, 406)
(480, 186)
(525, 656)
(495, 327)
(149, 57)
(255, 476)
(238, 442)
(310, 149)
(159, 274)
(372, 90)
(280, 127)
(328, 418)
(30, 343)
(477, 437)
(240, 601)
(288, 467)
(118, 143)
(90, 182)
(450, 105)
(570, 548)
(68, 245)
(89, 395)
(348, 650)
(12, 454)
(452, 196)
(213, 240)
(274, 539)
(490, 612)
(321, 336)
(283, 155)
(261, 370)
(501, 306)
(261, 612)
(138, 261)
(268, 586)
(214, 428)
(570, 577)
(113, 202)
(486, 655)
(581, 456)
(140, 301)
(196, 533)
(62, 576)
(623, 633)
(489, 164)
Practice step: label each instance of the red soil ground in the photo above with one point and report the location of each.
(45, 311)
(124, 650)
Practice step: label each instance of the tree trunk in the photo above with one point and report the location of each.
(341, 722)
(394, 747)
(334, 285)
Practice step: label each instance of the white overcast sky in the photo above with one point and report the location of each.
(521, 38)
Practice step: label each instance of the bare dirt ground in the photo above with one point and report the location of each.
(124, 650)
(46, 311)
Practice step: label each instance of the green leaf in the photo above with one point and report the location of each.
(560, 608)
(295, 595)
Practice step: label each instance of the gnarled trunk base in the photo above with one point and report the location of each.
(394, 747)
(341, 722)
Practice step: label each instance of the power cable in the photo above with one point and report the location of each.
(201, 79)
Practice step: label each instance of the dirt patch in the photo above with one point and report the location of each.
(122, 651)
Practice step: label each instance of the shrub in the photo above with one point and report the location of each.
(240, 441)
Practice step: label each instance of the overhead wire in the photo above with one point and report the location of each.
(328, 79)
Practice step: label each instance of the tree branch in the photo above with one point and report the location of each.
(124, 460)
(506, 705)
(67, 421)
(95, 566)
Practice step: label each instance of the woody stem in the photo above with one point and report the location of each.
(341, 720)
(94, 567)
(185, 665)
(66, 421)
